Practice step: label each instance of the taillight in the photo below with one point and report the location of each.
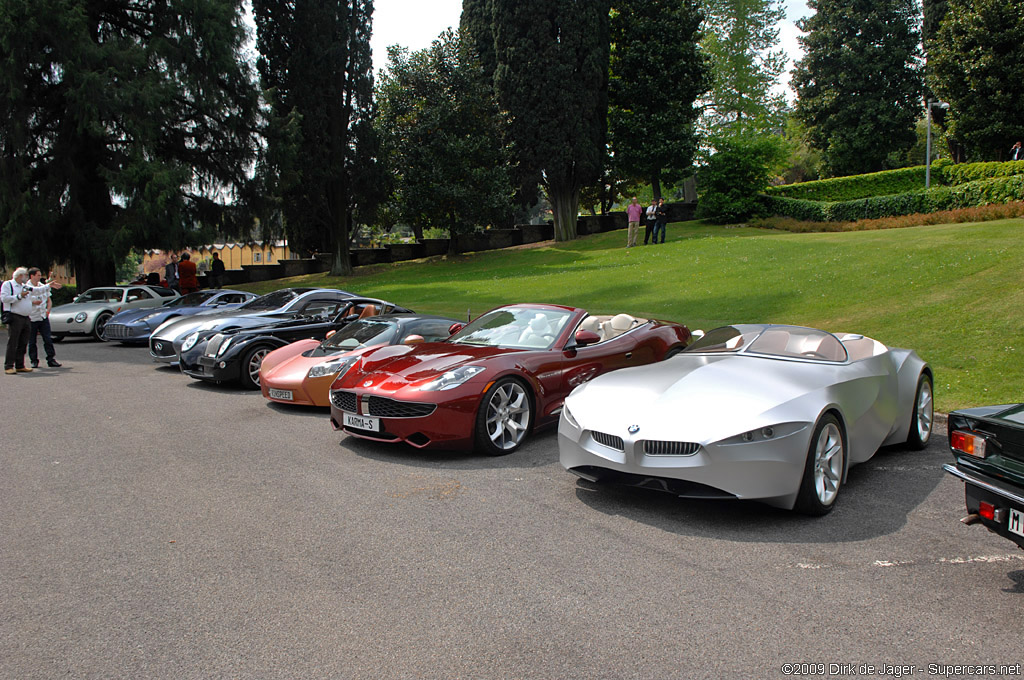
(987, 510)
(965, 442)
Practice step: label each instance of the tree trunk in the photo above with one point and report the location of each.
(565, 206)
(656, 184)
(90, 273)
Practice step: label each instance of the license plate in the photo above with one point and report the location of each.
(281, 394)
(362, 422)
(1016, 523)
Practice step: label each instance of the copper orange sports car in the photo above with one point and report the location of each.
(499, 377)
(302, 372)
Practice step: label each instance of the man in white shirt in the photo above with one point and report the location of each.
(39, 319)
(17, 304)
(14, 295)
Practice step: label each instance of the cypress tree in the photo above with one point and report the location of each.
(551, 77)
(657, 73)
(315, 64)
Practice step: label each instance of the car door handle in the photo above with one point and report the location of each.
(629, 355)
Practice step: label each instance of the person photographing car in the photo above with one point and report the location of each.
(17, 304)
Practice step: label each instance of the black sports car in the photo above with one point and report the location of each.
(988, 444)
(235, 355)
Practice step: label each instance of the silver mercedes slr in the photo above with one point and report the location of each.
(763, 412)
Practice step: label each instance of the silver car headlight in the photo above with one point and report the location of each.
(567, 414)
(224, 345)
(81, 316)
(765, 434)
(451, 379)
(333, 367)
(190, 341)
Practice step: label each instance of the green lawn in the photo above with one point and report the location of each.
(951, 292)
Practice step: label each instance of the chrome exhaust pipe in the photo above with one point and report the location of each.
(972, 518)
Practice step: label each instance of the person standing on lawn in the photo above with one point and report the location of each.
(652, 211)
(633, 212)
(660, 220)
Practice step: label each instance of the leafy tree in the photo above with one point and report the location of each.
(742, 40)
(976, 63)
(551, 77)
(859, 82)
(740, 168)
(121, 124)
(656, 74)
(315, 64)
(440, 125)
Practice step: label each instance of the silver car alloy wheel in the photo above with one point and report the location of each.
(254, 365)
(828, 463)
(508, 415)
(925, 410)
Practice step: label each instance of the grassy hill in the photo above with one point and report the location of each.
(951, 292)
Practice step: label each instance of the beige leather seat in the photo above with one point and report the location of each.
(592, 324)
(617, 325)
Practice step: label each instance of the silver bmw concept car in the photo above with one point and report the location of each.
(764, 412)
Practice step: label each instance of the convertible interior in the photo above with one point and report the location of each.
(610, 326)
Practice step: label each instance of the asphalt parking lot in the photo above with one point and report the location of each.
(156, 527)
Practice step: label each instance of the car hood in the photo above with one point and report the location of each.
(205, 321)
(130, 315)
(702, 398)
(395, 366)
(73, 308)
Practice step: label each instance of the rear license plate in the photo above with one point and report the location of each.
(1016, 523)
(362, 422)
(280, 394)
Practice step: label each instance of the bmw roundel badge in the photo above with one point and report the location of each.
(367, 383)
(633, 429)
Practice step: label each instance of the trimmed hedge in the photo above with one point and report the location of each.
(851, 188)
(971, 172)
(970, 194)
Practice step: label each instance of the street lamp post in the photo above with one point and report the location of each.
(928, 144)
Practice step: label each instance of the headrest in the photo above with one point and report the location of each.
(622, 322)
(592, 324)
(539, 324)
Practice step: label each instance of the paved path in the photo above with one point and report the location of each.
(154, 527)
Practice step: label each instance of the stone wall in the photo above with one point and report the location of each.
(492, 239)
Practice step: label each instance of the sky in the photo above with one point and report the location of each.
(417, 23)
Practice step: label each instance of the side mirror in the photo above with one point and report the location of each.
(584, 338)
(329, 334)
(455, 328)
(413, 340)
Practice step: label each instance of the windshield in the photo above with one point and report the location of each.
(192, 299)
(360, 333)
(724, 339)
(275, 300)
(515, 327)
(101, 295)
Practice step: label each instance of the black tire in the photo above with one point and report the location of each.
(249, 370)
(922, 419)
(674, 351)
(101, 325)
(504, 418)
(823, 475)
